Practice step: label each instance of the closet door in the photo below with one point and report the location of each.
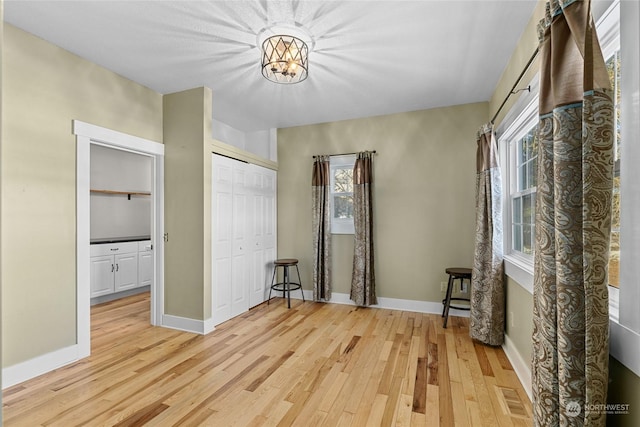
(262, 231)
(241, 218)
(221, 237)
(243, 223)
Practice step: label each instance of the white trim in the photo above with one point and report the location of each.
(624, 345)
(624, 322)
(428, 307)
(87, 134)
(117, 139)
(185, 324)
(83, 231)
(519, 270)
(23, 371)
(520, 366)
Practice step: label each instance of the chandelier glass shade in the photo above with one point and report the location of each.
(285, 59)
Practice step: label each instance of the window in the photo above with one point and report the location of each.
(613, 67)
(342, 194)
(523, 196)
(519, 154)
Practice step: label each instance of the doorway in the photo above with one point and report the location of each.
(86, 135)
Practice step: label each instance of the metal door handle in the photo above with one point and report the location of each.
(112, 268)
(117, 267)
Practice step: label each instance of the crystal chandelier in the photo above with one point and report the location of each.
(285, 59)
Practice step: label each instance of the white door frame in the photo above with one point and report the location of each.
(87, 134)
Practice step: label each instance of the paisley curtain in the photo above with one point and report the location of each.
(487, 285)
(573, 221)
(363, 281)
(321, 182)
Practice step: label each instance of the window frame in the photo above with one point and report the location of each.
(524, 115)
(340, 225)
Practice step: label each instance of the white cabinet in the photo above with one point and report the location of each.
(115, 267)
(243, 224)
(145, 264)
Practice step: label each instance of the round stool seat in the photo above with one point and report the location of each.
(459, 272)
(285, 261)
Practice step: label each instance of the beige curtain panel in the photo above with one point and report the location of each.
(321, 182)
(573, 221)
(363, 281)
(486, 323)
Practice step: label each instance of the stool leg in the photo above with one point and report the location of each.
(447, 303)
(275, 268)
(300, 282)
(286, 286)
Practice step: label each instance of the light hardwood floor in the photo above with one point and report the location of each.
(315, 364)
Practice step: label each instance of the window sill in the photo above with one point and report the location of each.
(520, 270)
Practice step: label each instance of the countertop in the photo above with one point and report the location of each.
(119, 239)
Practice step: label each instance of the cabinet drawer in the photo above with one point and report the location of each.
(144, 246)
(113, 248)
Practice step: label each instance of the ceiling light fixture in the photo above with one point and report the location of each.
(285, 59)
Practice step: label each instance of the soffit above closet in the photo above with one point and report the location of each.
(370, 57)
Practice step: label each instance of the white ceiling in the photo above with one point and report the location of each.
(370, 57)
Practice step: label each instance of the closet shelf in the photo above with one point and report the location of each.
(127, 193)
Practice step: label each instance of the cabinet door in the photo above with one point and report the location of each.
(145, 268)
(126, 271)
(102, 272)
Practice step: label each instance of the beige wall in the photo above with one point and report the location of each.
(187, 206)
(46, 88)
(423, 196)
(519, 326)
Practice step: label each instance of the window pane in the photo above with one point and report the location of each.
(517, 237)
(527, 239)
(613, 68)
(522, 177)
(528, 207)
(517, 210)
(343, 181)
(614, 259)
(533, 171)
(343, 206)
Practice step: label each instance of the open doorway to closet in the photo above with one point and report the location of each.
(120, 223)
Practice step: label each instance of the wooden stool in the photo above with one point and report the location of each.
(286, 285)
(454, 273)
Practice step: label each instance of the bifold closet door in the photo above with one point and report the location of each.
(262, 231)
(243, 235)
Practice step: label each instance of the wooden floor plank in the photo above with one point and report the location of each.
(313, 364)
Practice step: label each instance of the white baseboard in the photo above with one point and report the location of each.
(201, 327)
(389, 303)
(520, 366)
(39, 365)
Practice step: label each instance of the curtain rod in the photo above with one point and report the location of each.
(513, 90)
(345, 154)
